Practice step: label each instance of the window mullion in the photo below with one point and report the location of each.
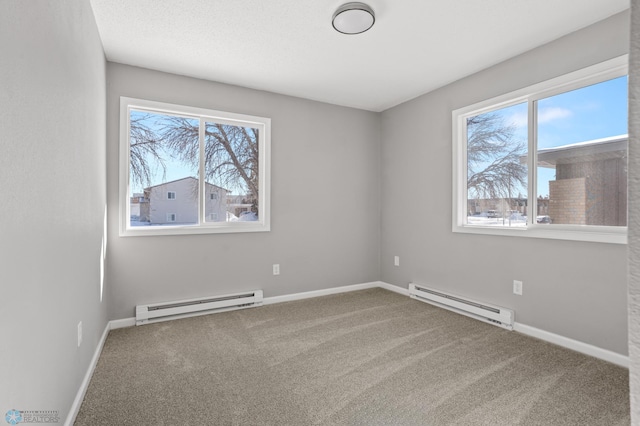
(462, 189)
(532, 158)
(201, 173)
(125, 158)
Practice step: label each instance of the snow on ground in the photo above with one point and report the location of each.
(513, 221)
(244, 217)
(138, 223)
(248, 217)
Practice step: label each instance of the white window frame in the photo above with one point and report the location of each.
(598, 73)
(171, 217)
(213, 196)
(169, 197)
(263, 224)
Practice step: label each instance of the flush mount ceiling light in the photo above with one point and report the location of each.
(353, 18)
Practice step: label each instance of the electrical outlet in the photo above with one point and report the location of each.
(276, 269)
(79, 333)
(396, 260)
(517, 287)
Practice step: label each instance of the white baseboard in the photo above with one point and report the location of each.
(122, 323)
(400, 290)
(130, 322)
(565, 342)
(317, 293)
(77, 402)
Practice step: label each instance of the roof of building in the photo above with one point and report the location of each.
(597, 149)
(178, 180)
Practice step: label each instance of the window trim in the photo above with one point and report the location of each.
(169, 197)
(203, 115)
(597, 73)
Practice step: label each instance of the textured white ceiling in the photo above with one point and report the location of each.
(290, 47)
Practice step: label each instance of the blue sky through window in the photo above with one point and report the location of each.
(585, 114)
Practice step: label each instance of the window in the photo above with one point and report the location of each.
(168, 149)
(546, 161)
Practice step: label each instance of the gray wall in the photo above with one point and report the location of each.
(634, 212)
(52, 169)
(325, 226)
(573, 289)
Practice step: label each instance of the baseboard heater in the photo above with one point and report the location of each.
(147, 314)
(491, 314)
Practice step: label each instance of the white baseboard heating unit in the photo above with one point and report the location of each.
(147, 314)
(491, 314)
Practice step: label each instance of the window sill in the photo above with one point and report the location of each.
(222, 228)
(595, 234)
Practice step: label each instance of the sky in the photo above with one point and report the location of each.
(585, 114)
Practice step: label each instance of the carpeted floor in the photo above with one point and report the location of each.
(364, 358)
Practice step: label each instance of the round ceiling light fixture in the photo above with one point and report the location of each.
(353, 18)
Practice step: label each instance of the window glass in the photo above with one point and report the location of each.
(497, 167)
(160, 171)
(582, 156)
(231, 164)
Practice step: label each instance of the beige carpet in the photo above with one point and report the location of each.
(364, 358)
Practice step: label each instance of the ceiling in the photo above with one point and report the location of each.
(290, 47)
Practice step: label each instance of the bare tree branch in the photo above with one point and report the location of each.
(231, 152)
(494, 168)
(145, 151)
